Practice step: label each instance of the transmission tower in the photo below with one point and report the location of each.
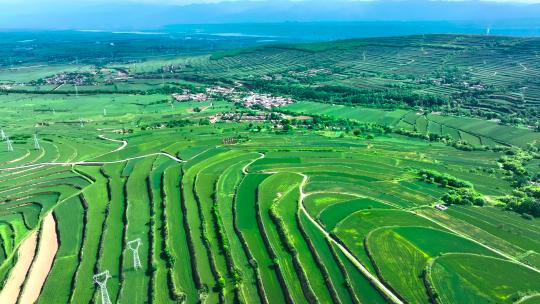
(104, 112)
(9, 144)
(36, 142)
(81, 122)
(3, 134)
(364, 55)
(101, 280)
(134, 247)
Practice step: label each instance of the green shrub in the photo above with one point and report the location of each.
(464, 197)
(443, 179)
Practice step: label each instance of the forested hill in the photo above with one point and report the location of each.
(492, 77)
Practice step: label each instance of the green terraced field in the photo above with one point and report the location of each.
(318, 201)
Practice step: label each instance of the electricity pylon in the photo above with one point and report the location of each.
(101, 280)
(9, 144)
(134, 247)
(36, 142)
(3, 134)
(104, 112)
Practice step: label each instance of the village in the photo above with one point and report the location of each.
(249, 100)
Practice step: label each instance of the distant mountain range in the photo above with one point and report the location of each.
(145, 16)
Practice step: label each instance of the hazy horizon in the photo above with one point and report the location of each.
(150, 14)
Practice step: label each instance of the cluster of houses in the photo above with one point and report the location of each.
(229, 141)
(232, 116)
(441, 207)
(252, 99)
(70, 78)
(266, 101)
(171, 68)
(220, 91)
(186, 95)
(247, 117)
(473, 86)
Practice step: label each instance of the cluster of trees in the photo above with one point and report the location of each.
(513, 162)
(443, 179)
(525, 200)
(387, 98)
(470, 106)
(178, 123)
(462, 192)
(322, 122)
(463, 196)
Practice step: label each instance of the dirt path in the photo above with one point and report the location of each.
(48, 246)
(244, 169)
(94, 163)
(12, 289)
(527, 297)
(123, 142)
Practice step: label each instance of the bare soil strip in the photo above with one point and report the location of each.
(14, 283)
(48, 246)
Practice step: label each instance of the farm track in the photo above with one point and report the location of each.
(527, 297)
(95, 163)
